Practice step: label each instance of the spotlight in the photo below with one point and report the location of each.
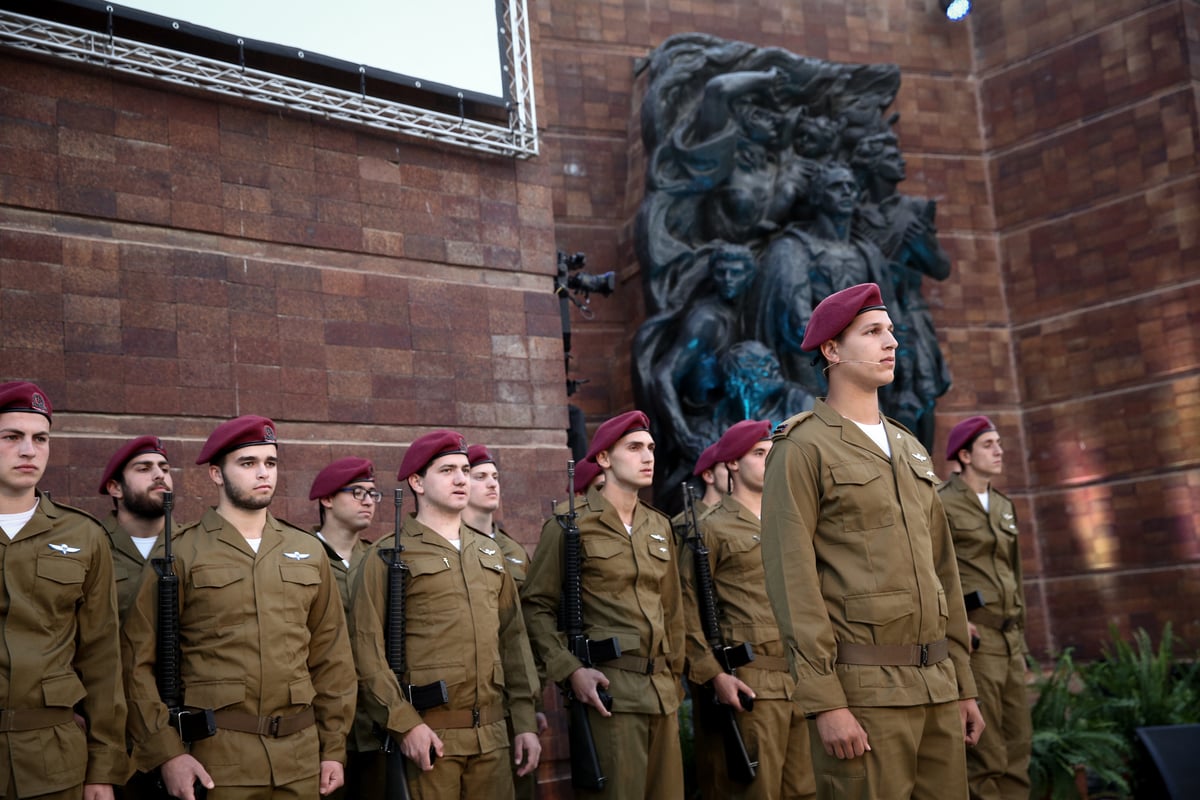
(956, 9)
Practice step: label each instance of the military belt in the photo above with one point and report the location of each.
(768, 663)
(893, 655)
(466, 718)
(981, 616)
(645, 666)
(32, 719)
(276, 727)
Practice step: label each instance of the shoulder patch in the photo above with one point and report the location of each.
(785, 427)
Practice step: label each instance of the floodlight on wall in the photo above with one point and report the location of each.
(955, 9)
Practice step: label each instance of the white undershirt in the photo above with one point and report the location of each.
(629, 530)
(878, 435)
(983, 500)
(457, 544)
(12, 523)
(254, 543)
(345, 561)
(144, 544)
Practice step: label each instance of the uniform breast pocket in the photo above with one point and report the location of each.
(859, 497)
(972, 538)
(742, 558)
(660, 554)
(300, 584)
(492, 567)
(219, 596)
(429, 580)
(607, 567)
(60, 579)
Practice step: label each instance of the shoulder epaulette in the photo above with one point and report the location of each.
(901, 426)
(785, 427)
(294, 527)
(75, 509)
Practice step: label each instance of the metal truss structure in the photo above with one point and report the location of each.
(518, 139)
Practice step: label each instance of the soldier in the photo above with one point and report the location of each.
(984, 527)
(482, 502)
(136, 478)
(58, 642)
(587, 475)
(631, 590)
(774, 730)
(262, 636)
(347, 500)
(716, 484)
(861, 573)
(463, 627)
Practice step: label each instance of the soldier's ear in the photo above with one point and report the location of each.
(603, 460)
(113, 487)
(214, 474)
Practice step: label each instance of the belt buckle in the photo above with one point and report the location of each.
(273, 726)
(924, 655)
(1008, 624)
(649, 666)
(475, 717)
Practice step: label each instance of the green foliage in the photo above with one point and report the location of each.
(1139, 685)
(1070, 731)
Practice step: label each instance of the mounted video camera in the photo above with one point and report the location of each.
(571, 278)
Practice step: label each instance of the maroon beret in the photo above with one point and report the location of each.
(24, 396)
(428, 447)
(834, 313)
(964, 434)
(244, 431)
(479, 454)
(740, 439)
(611, 431)
(134, 447)
(707, 459)
(585, 473)
(339, 475)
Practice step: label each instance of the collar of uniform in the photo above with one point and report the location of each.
(120, 538)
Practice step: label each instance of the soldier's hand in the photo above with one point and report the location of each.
(417, 744)
(332, 776)
(973, 636)
(97, 791)
(181, 772)
(527, 748)
(542, 723)
(727, 687)
(841, 734)
(972, 721)
(584, 682)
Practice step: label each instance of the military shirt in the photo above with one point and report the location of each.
(630, 589)
(516, 560)
(59, 649)
(463, 626)
(732, 536)
(341, 572)
(260, 633)
(989, 553)
(856, 549)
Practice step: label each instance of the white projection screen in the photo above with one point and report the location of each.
(455, 70)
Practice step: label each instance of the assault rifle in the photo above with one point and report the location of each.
(585, 762)
(737, 760)
(421, 697)
(192, 724)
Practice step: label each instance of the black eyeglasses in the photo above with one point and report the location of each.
(360, 494)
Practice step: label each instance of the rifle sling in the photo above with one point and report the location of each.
(467, 718)
(275, 727)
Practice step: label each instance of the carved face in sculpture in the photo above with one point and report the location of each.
(733, 268)
(880, 154)
(836, 192)
(752, 375)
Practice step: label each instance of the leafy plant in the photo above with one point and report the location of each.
(1070, 732)
(1138, 685)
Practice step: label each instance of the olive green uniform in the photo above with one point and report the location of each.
(775, 733)
(464, 627)
(516, 561)
(127, 563)
(858, 557)
(989, 561)
(262, 635)
(631, 591)
(59, 650)
(364, 763)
